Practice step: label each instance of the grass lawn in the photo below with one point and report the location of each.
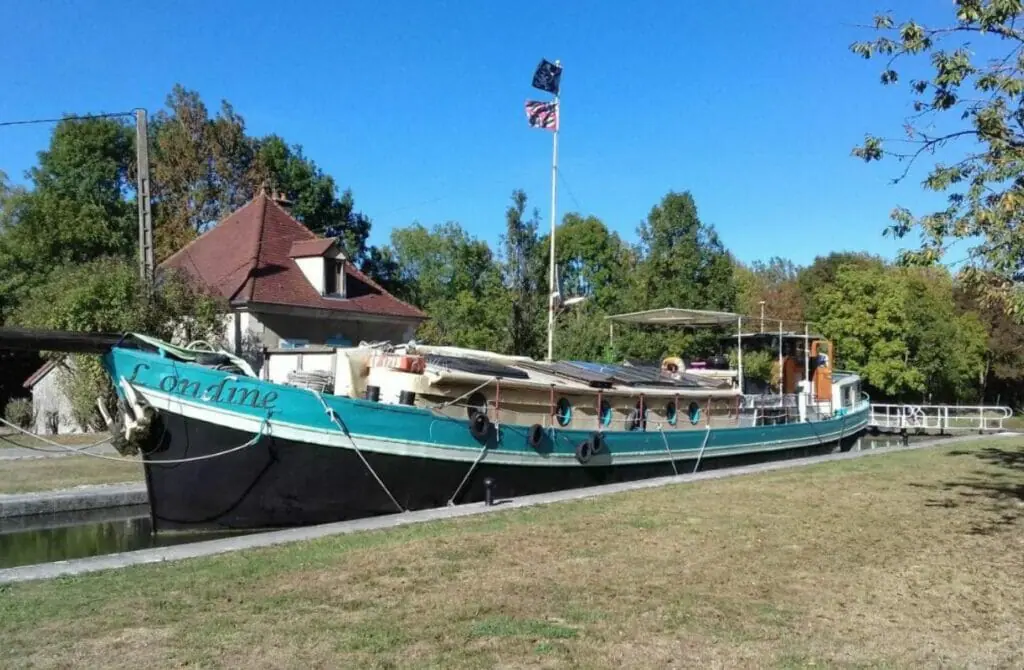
(1014, 423)
(44, 474)
(906, 560)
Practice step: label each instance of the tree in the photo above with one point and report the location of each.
(863, 313)
(900, 329)
(1001, 379)
(184, 187)
(456, 280)
(776, 283)
(969, 114)
(681, 262)
(592, 261)
(381, 265)
(75, 210)
(286, 169)
(526, 295)
(204, 168)
(947, 347)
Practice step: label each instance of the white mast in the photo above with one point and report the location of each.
(554, 200)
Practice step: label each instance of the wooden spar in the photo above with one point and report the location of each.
(28, 339)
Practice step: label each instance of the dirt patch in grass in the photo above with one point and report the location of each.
(45, 474)
(906, 560)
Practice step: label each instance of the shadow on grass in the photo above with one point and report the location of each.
(992, 498)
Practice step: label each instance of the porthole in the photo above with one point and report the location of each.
(606, 413)
(670, 413)
(694, 412)
(563, 412)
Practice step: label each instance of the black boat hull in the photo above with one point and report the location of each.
(280, 483)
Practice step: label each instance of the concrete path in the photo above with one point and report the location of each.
(220, 546)
(73, 500)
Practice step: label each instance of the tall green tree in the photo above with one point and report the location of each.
(593, 261)
(205, 167)
(681, 263)
(457, 281)
(776, 283)
(863, 312)
(520, 271)
(316, 200)
(74, 210)
(968, 116)
(1002, 376)
(900, 328)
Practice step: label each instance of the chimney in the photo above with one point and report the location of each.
(282, 199)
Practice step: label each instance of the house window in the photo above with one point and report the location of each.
(334, 277)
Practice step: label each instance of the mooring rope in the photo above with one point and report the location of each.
(464, 395)
(479, 457)
(821, 441)
(64, 447)
(668, 451)
(707, 435)
(333, 416)
(172, 461)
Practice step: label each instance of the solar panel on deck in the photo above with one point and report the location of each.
(633, 375)
(570, 371)
(475, 366)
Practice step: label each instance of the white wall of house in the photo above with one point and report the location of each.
(280, 330)
(313, 268)
(52, 408)
(248, 332)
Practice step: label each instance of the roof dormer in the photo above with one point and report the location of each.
(323, 264)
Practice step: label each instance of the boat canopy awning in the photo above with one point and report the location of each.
(675, 316)
(769, 334)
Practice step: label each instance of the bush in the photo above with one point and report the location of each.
(19, 412)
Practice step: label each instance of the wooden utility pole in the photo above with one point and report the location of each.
(145, 214)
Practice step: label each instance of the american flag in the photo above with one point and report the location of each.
(542, 114)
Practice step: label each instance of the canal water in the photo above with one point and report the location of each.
(44, 539)
(31, 540)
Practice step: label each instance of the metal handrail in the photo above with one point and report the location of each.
(938, 417)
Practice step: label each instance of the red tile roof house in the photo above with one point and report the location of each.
(285, 287)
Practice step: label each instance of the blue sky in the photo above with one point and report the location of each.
(418, 107)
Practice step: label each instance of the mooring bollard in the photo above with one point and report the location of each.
(489, 491)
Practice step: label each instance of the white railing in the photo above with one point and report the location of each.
(938, 417)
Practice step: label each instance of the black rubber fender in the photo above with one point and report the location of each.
(585, 450)
(480, 426)
(597, 443)
(535, 435)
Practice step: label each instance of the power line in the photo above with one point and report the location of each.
(77, 117)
